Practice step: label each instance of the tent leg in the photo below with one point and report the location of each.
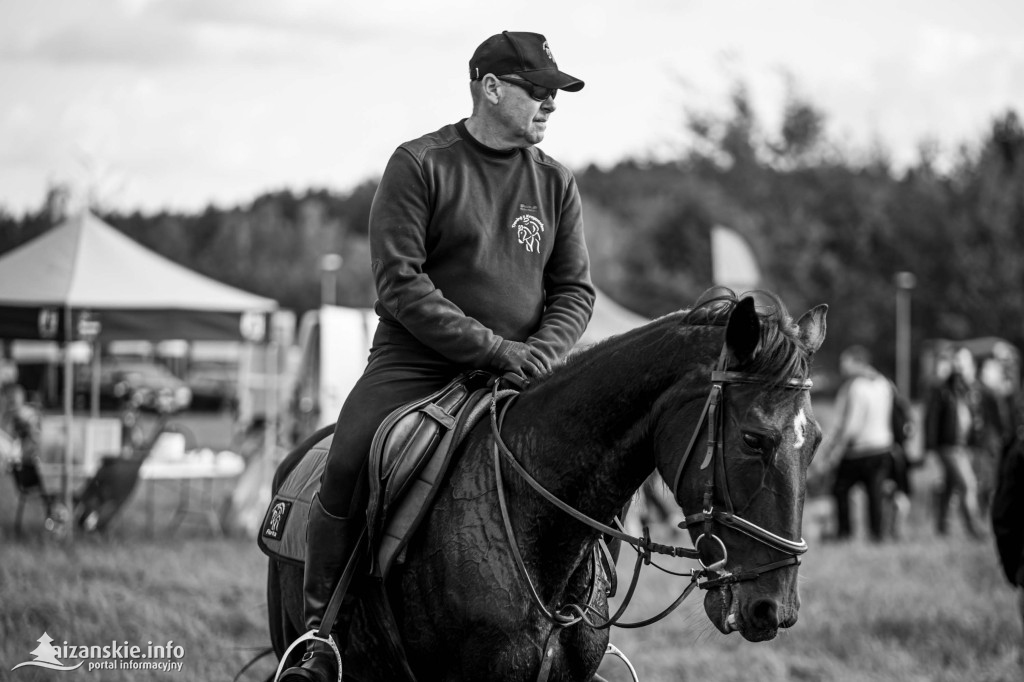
(69, 378)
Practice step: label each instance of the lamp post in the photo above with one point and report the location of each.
(905, 283)
(329, 266)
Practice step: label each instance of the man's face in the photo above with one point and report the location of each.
(524, 118)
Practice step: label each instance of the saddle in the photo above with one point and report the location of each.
(410, 454)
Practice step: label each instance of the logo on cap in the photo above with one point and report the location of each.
(547, 51)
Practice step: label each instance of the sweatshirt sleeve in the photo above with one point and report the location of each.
(569, 293)
(399, 217)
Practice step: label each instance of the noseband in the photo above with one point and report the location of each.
(713, 416)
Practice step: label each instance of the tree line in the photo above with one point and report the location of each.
(828, 224)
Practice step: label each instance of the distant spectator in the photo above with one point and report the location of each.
(1008, 518)
(950, 430)
(994, 428)
(20, 421)
(897, 490)
(861, 446)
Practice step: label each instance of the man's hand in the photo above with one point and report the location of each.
(517, 357)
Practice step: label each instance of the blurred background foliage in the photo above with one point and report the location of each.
(827, 224)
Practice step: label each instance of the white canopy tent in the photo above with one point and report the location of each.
(84, 280)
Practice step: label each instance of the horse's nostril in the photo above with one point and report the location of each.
(764, 614)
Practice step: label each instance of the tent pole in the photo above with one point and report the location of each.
(271, 425)
(94, 392)
(69, 377)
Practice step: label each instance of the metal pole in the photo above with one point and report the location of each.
(66, 480)
(329, 266)
(94, 393)
(271, 425)
(905, 283)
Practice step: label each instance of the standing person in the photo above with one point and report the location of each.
(993, 431)
(949, 431)
(1008, 519)
(897, 488)
(478, 253)
(21, 421)
(861, 447)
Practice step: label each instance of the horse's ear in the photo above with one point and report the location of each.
(812, 327)
(744, 330)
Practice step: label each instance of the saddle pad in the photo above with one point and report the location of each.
(283, 531)
(410, 474)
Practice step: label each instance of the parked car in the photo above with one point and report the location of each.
(214, 385)
(150, 384)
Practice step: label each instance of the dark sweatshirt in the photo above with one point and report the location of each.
(474, 247)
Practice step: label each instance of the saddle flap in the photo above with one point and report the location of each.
(409, 510)
(405, 441)
(416, 431)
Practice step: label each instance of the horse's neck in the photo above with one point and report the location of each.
(585, 433)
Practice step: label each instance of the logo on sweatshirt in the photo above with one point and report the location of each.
(528, 230)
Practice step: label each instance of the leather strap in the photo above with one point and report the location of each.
(341, 589)
(502, 448)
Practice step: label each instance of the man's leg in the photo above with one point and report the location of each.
(947, 487)
(393, 378)
(968, 488)
(875, 470)
(841, 492)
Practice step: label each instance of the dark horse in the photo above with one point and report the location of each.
(590, 433)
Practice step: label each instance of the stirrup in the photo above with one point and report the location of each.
(312, 634)
(614, 651)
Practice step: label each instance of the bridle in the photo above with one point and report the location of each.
(713, 416)
(713, 574)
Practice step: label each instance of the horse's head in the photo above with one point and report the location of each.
(740, 478)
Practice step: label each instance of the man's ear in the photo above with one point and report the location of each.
(490, 88)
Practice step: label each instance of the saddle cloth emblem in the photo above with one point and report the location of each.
(273, 525)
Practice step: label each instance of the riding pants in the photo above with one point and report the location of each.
(400, 370)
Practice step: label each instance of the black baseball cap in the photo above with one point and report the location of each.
(526, 55)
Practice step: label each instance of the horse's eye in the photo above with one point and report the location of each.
(759, 443)
(754, 441)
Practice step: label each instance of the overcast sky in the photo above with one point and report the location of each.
(179, 103)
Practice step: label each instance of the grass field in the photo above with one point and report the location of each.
(925, 609)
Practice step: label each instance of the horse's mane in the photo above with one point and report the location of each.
(780, 355)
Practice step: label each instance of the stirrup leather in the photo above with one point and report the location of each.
(311, 635)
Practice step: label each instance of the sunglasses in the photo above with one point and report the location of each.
(537, 92)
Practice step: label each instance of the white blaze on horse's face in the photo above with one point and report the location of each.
(800, 428)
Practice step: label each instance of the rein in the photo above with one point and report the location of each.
(571, 614)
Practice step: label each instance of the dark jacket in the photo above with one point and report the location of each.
(473, 248)
(1008, 513)
(941, 423)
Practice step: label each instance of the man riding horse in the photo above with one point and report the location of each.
(458, 285)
